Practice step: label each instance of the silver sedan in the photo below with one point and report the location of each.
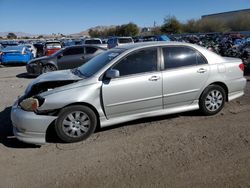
(124, 84)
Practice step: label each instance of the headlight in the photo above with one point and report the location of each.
(31, 104)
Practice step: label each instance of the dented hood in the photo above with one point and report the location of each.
(64, 75)
(57, 76)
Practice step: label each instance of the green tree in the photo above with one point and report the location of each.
(11, 36)
(171, 25)
(190, 26)
(156, 31)
(129, 29)
(94, 33)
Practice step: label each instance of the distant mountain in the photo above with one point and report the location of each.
(99, 28)
(18, 34)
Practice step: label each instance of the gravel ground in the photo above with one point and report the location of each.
(183, 150)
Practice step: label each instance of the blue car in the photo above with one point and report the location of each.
(1, 49)
(16, 54)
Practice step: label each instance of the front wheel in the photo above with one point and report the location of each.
(212, 100)
(48, 68)
(75, 123)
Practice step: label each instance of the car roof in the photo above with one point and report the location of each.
(209, 55)
(92, 39)
(156, 43)
(86, 45)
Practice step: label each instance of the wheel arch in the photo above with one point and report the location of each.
(221, 84)
(88, 105)
(50, 132)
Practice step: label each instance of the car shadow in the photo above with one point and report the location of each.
(51, 136)
(12, 65)
(6, 135)
(8, 139)
(25, 75)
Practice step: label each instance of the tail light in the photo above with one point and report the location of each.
(241, 66)
(23, 52)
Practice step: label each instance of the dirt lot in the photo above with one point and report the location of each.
(183, 150)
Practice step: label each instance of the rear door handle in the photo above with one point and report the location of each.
(154, 78)
(202, 70)
(82, 58)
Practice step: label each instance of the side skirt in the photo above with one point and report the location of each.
(104, 122)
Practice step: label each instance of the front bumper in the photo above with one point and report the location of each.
(28, 126)
(33, 69)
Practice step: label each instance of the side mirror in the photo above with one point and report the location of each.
(112, 73)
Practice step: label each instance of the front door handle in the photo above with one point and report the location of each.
(154, 78)
(202, 70)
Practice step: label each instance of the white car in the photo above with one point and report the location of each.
(123, 84)
(32, 48)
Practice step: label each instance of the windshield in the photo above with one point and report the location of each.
(53, 45)
(97, 63)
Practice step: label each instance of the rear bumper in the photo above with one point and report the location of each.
(12, 60)
(30, 127)
(236, 88)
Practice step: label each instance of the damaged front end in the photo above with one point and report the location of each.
(32, 99)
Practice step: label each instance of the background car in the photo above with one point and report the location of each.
(1, 49)
(66, 58)
(117, 41)
(51, 47)
(16, 54)
(32, 48)
(39, 48)
(95, 41)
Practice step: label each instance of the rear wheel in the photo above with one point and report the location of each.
(75, 123)
(212, 100)
(48, 68)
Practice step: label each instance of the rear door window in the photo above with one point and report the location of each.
(175, 57)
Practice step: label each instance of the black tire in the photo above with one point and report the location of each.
(212, 100)
(71, 131)
(48, 68)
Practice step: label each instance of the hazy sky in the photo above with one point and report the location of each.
(72, 16)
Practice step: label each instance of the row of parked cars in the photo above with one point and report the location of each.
(56, 55)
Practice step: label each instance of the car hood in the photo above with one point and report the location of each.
(39, 59)
(58, 75)
(59, 78)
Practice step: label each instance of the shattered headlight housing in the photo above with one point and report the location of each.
(32, 103)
